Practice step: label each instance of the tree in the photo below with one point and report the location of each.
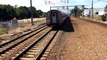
(7, 12)
(39, 13)
(76, 11)
(104, 16)
(22, 12)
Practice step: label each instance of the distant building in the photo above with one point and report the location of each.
(100, 11)
(88, 12)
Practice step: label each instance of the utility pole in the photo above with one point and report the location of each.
(83, 10)
(106, 15)
(106, 12)
(92, 10)
(31, 12)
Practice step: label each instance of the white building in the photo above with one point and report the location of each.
(89, 11)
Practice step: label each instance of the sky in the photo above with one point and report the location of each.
(41, 4)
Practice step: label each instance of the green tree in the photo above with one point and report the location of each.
(7, 12)
(22, 12)
(76, 11)
(103, 17)
(39, 13)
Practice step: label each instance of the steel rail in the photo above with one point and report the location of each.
(7, 49)
(30, 46)
(45, 47)
(20, 36)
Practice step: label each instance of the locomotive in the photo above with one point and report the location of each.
(55, 18)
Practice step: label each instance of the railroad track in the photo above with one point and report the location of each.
(7, 46)
(37, 28)
(36, 50)
(28, 48)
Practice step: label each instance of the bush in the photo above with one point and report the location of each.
(103, 17)
(2, 31)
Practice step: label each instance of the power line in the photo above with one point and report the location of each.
(65, 1)
(49, 2)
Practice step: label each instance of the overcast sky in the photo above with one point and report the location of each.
(40, 4)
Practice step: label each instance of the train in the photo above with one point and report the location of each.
(55, 18)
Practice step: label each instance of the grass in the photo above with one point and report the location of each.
(2, 31)
(98, 18)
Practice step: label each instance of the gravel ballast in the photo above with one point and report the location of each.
(88, 41)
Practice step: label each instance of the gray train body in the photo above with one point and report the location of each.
(55, 18)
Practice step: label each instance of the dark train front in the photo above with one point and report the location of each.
(55, 18)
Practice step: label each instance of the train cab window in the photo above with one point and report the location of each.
(53, 14)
